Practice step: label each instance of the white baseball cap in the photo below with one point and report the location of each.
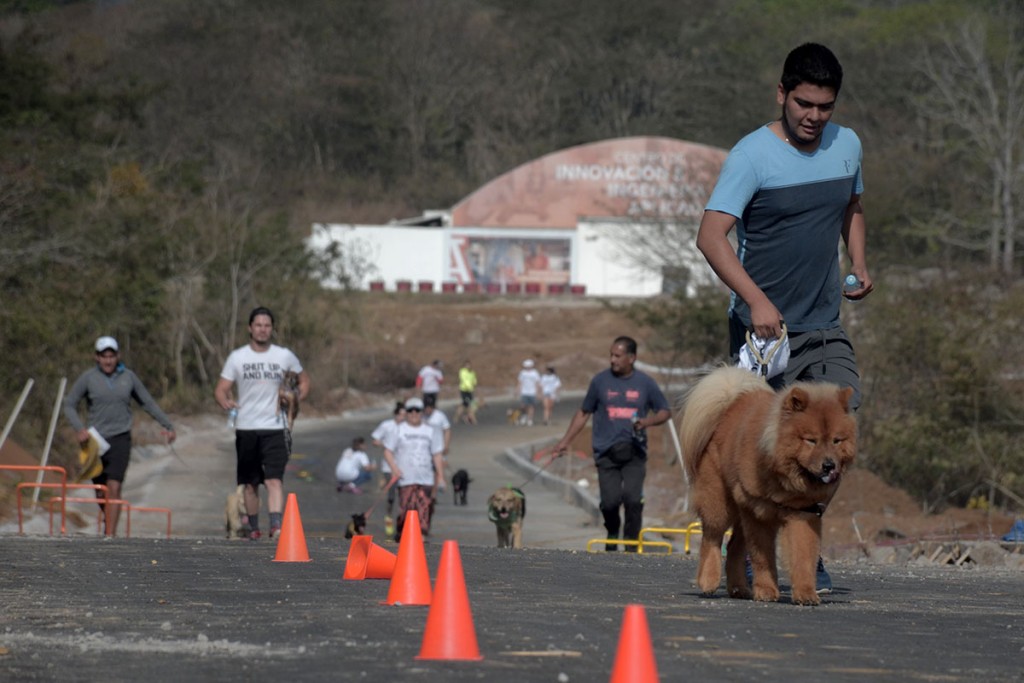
(527, 363)
(414, 403)
(104, 343)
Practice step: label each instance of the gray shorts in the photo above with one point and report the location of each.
(814, 356)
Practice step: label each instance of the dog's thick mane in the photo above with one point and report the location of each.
(706, 402)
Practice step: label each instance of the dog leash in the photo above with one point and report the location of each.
(539, 470)
(174, 452)
(380, 496)
(771, 347)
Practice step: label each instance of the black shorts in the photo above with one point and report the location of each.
(262, 454)
(115, 460)
(467, 398)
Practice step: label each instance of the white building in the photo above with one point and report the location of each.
(563, 222)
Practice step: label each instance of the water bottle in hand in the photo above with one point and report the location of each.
(851, 284)
(232, 418)
(639, 432)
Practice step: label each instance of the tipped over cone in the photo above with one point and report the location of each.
(410, 583)
(291, 544)
(634, 660)
(367, 560)
(449, 633)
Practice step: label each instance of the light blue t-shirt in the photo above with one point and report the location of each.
(790, 207)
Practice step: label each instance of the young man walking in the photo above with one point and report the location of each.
(792, 189)
(261, 446)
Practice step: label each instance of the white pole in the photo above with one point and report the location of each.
(17, 409)
(682, 465)
(49, 439)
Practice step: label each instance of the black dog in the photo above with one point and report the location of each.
(460, 486)
(357, 527)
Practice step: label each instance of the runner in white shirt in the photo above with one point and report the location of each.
(550, 384)
(379, 436)
(441, 424)
(528, 382)
(260, 442)
(429, 380)
(439, 421)
(414, 453)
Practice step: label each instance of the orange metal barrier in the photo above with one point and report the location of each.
(106, 501)
(56, 499)
(95, 487)
(138, 508)
(41, 468)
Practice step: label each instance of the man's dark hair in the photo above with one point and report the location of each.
(399, 407)
(261, 310)
(429, 401)
(627, 342)
(358, 441)
(812, 63)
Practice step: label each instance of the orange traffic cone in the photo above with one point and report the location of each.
(449, 633)
(410, 584)
(291, 544)
(634, 660)
(367, 560)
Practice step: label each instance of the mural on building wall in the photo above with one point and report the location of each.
(642, 178)
(508, 258)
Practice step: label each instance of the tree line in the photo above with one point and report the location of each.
(161, 162)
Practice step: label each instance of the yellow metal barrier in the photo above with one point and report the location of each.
(692, 528)
(639, 543)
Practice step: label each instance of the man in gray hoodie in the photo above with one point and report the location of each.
(109, 388)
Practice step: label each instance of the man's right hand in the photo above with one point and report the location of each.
(766, 320)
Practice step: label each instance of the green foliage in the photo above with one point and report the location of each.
(942, 416)
(161, 162)
(687, 331)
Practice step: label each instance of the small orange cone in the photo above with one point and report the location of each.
(449, 633)
(634, 660)
(291, 544)
(367, 560)
(410, 583)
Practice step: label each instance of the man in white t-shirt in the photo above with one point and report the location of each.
(436, 418)
(260, 445)
(414, 453)
(528, 383)
(379, 436)
(354, 467)
(429, 380)
(550, 384)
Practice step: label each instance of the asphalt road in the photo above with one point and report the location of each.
(199, 607)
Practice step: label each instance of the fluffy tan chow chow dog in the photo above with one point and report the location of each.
(764, 463)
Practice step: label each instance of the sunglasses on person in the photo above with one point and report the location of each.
(413, 410)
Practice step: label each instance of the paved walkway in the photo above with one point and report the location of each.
(202, 608)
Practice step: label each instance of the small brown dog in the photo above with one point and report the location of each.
(288, 397)
(506, 508)
(236, 519)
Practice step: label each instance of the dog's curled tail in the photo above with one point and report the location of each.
(705, 404)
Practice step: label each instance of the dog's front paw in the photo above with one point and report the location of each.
(806, 596)
(768, 593)
(740, 592)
